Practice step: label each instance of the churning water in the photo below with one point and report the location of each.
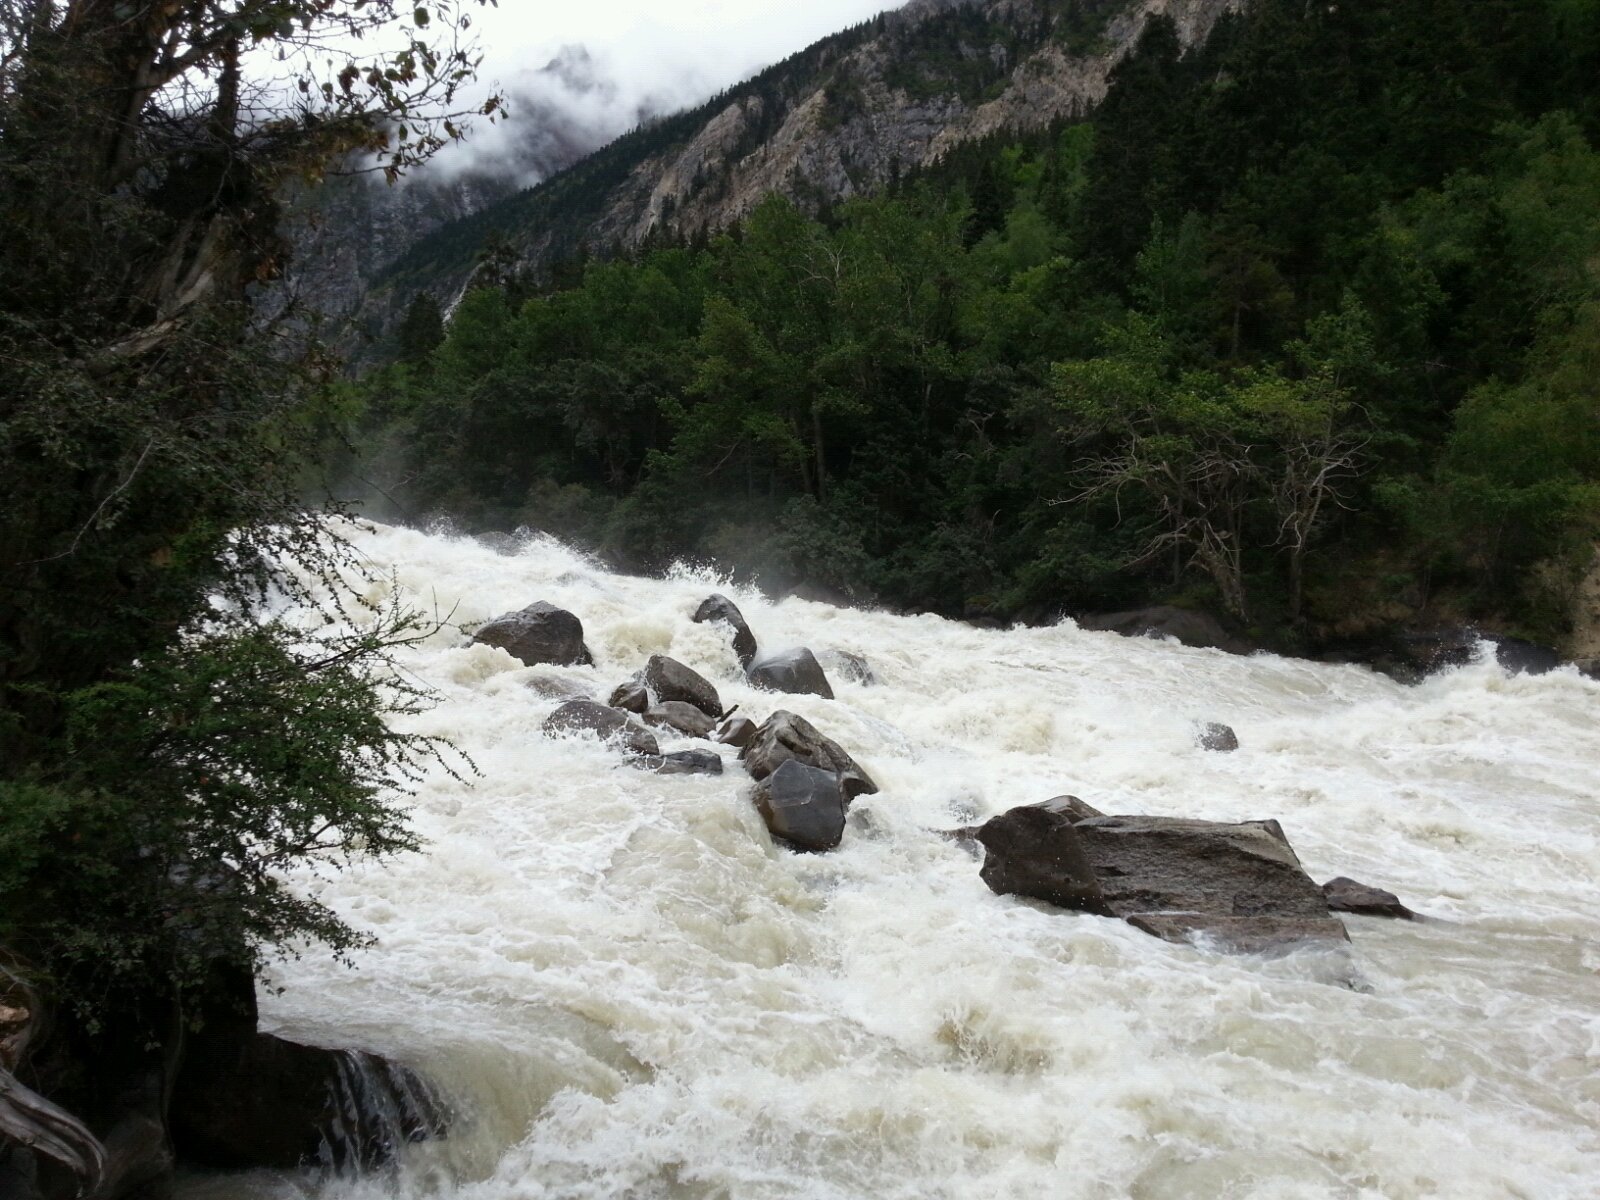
(626, 991)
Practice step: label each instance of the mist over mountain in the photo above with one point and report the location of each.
(839, 119)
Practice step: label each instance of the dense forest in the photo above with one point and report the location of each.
(1302, 326)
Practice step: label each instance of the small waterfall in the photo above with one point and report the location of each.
(378, 1107)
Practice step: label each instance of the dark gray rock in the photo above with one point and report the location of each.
(1163, 620)
(1411, 655)
(607, 724)
(1214, 735)
(540, 633)
(796, 672)
(1070, 807)
(719, 608)
(1239, 884)
(668, 679)
(849, 666)
(785, 736)
(630, 696)
(803, 805)
(1346, 895)
(736, 731)
(682, 762)
(266, 1102)
(685, 718)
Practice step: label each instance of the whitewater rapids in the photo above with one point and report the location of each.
(628, 992)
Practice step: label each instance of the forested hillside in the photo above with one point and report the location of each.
(1302, 324)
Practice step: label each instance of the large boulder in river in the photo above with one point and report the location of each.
(262, 1101)
(796, 672)
(785, 736)
(540, 633)
(718, 607)
(668, 679)
(1239, 885)
(803, 805)
(607, 724)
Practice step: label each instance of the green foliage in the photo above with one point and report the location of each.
(166, 755)
(1274, 312)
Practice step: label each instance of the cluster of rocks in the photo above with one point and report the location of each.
(1234, 885)
(1406, 654)
(804, 780)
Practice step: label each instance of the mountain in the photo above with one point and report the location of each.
(839, 119)
(347, 231)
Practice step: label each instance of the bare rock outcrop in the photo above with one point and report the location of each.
(540, 633)
(1235, 885)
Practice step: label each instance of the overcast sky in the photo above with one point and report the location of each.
(656, 56)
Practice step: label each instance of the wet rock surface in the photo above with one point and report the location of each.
(1344, 894)
(737, 731)
(802, 805)
(1214, 735)
(718, 607)
(630, 696)
(682, 762)
(669, 680)
(1237, 885)
(846, 665)
(796, 672)
(684, 718)
(606, 723)
(540, 633)
(784, 736)
(1183, 625)
(267, 1102)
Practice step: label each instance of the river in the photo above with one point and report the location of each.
(627, 992)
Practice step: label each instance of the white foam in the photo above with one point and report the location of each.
(631, 993)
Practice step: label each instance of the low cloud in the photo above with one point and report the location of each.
(578, 78)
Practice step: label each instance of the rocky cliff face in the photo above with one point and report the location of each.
(838, 120)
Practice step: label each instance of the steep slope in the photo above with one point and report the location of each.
(836, 120)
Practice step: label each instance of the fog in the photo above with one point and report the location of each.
(577, 76)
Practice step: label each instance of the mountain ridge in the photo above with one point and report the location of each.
(838, 119)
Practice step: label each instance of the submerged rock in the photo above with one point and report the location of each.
(796, 672)
(1214, 735)
(1183, 625)
(540, 633)
(850, 666)
(669, 680)
(785, 736)
(803, 805)
(607, 724)
(1346, 895)
(718, 607)
(685, 718)
(1237, 883)
(682, 762)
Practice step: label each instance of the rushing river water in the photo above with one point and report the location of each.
(627, 992)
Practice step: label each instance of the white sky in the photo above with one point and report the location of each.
(665, 55)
